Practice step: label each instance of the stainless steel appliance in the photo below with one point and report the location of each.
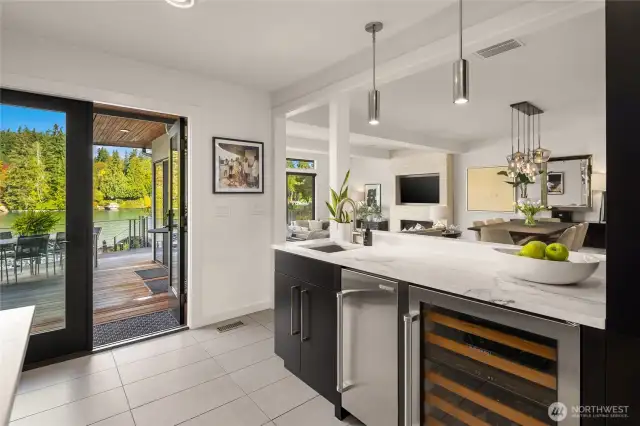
(469, 362)
(367, 367)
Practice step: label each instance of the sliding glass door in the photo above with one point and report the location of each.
(46, 218)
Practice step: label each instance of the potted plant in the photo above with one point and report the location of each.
(343, 220)
(35, 223)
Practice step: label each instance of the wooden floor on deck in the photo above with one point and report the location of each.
(118, 292)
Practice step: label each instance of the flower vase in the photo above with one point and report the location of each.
(529, 219)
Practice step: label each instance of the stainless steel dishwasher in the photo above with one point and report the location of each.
(367, 367)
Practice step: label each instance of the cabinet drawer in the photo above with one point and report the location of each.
(322, 274)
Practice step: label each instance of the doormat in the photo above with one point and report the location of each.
(149, 274)
(131, 328)
(158, 286)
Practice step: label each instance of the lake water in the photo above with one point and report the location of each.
(114, 224)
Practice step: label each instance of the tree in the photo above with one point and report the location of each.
(113, 183)
(102, 156)
(138, 176)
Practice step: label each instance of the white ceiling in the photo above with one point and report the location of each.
(264, 44)
(561, 70)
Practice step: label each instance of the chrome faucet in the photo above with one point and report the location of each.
(354, 209)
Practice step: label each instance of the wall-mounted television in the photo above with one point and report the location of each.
(418, 189)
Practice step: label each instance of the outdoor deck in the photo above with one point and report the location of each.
(119, 293)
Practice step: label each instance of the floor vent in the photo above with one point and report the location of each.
(499, 48)
(229, 327)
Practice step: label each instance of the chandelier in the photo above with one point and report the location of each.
(527, 158)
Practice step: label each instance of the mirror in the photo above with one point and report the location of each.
(568, 182)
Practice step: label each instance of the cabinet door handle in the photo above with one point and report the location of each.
(408, 373)
(292, 332)
(339, 366)
(302, 336)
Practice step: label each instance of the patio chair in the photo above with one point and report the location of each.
(58, 247)
(4, 252)
(32, 247)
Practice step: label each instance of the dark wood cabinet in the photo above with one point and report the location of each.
(287, 320)
(318, 348)
(305, 321)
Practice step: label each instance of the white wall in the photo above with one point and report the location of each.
(230, 261)
(374, 170)
(410, 162)
(580, 134)
(160, 148)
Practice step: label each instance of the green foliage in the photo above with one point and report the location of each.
(35, 223)
(33, 172)
(520, 179)
(336, 198)
(300, 164)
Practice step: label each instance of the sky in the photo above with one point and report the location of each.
(13, 117)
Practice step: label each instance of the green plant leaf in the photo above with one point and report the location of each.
(331, 209)
(346, 179)
(335, 199)
(503, 173)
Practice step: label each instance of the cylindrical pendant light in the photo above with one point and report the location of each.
(374, 94)
(460, 70)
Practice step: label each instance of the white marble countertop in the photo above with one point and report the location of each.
(470, 269)
(15, 327)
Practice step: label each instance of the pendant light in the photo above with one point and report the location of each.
(181, 4)
(460, 70)
(374, 94)
(527, 162)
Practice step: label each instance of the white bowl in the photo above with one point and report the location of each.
(578, 268)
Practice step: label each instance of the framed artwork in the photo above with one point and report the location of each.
(373, 194)
(487, 190)
(555, 183)
(238, 166)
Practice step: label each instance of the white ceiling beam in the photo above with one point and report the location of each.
(354, 73)
(317, 146)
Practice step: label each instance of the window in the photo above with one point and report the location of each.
(301, 195)
(294, 163)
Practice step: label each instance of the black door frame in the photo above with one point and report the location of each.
(77, 336)
(164, 165)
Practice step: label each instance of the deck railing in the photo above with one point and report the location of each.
(125, 234)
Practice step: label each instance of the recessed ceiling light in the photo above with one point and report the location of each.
(124, 130)
(182, 4)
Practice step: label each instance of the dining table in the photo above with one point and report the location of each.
(517, 228)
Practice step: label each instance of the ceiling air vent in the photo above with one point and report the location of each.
(499, 48)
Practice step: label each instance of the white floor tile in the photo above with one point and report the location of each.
(57, 373)
(149, 348)
(236, 340)
(124, 419)
(259, 375)
(280, 397)
(156, 387)
(263, 317)
(30, 403)
(246, 356)
(80, 413)
(211, 332)
(241, 412)
(270, 326)
(317, 412)
(187, 404)
(149, 367)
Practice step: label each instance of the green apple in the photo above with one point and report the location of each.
(534, 250)
(557, 252)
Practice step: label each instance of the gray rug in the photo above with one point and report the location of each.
(130, 328)
(149, 274)
(158, 286)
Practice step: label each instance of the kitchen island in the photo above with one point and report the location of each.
(460, 322)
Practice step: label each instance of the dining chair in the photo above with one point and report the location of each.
(58, 247)
(568, 237)
(501, 236)
(498, 220)
(548, 219)
(581, 234)
(491, 221)
(478, 223)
